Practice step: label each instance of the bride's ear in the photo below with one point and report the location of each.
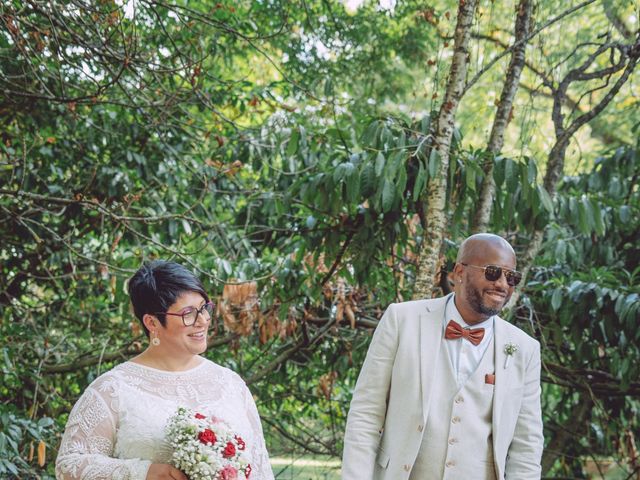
(150, 321)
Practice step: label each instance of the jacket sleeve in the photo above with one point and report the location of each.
(525, 451)
(369, 404)
(87, 444)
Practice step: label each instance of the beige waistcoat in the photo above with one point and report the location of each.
(457, 442)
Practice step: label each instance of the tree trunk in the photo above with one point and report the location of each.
(435, 197)
(555, 164)
(503, 114)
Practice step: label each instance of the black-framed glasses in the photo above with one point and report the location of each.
(494, 272)
(190, 314)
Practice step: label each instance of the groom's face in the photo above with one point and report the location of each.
(478, 298)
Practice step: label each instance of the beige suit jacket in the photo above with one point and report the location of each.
(391, 399)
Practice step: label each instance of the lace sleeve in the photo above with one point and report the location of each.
(261, 468)
(87, 444)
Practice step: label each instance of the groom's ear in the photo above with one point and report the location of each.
(457, 273)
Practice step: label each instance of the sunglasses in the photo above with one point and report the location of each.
(494, 272)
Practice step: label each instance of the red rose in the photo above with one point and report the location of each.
(229, 473)
(240, 441)
(207, 436)
(247, 471)
(199, 416)
(229, 450)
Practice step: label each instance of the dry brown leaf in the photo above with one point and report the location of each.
(325, 384)
(136, 329)
(339, 312)
(42, 449)
(350, 315)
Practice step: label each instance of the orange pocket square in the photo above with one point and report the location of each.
(490, 378)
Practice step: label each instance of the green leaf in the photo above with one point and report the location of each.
(421, 179)
(596, 209)
(367, 180)
(388, 195)
(339, 173)
(499, 171)
(585, 216)
(545, 198)
(512, 173)
(425, 122)
(556, 299)
(532, 171)
(401, 180)
(369, 136)
(352, 182)
(625, 214)
(292, 146)
(470, 174)
(561, 251)
(380, 163)
(328, 87)
(401, 142)
(397, 161)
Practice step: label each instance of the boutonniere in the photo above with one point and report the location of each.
(509, 350)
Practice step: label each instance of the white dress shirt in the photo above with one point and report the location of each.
(465, 356)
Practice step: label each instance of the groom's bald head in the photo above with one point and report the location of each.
(474, 247)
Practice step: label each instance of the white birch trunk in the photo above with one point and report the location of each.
(503, 114)
(435, 211)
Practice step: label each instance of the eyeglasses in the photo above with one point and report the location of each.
(494, 272)
(190, 314)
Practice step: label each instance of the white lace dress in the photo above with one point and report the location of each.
(116, 429)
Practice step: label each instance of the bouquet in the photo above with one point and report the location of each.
(205, 448)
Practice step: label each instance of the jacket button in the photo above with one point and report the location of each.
(450, 464)
(459, 399)
(420, 427)
(455, 420)
(407, 468)
(452, 441)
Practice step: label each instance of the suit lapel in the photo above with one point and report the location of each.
(501, 337)
(431, 323)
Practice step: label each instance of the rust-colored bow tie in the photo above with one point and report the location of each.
(454, 330)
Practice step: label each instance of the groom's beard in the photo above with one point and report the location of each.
(475, 301)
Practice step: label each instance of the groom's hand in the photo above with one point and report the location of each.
(162, 471)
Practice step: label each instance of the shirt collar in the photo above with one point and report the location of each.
(451, 313)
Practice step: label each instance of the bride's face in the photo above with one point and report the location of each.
(179, 339)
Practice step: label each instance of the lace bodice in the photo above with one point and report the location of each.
(116, 430)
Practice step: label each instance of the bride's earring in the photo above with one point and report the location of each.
(155, 341)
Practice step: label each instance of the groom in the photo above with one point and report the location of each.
(448, 389)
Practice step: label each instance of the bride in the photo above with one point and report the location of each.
(116, 430)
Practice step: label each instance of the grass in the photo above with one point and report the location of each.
(305, 468)
(296, 467)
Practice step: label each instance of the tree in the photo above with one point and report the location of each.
(285, 151)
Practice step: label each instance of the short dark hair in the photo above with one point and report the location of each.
(157, 285)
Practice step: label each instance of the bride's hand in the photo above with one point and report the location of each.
(163, 471)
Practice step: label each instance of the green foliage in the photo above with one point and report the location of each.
(19, 438)
(585, 296)
(288, 143)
